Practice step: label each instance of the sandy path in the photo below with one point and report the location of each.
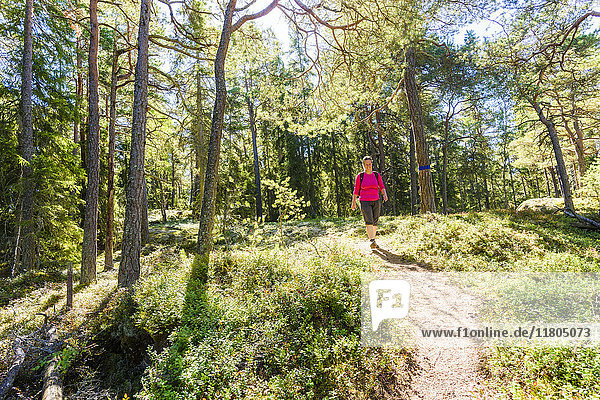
(448, 368)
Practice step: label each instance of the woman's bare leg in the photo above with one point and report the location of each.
(371, 231)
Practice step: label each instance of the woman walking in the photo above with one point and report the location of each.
(366, 189)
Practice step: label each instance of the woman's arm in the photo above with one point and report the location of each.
(382, 187)
(355, 192)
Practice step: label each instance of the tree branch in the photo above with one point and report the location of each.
(250, 17)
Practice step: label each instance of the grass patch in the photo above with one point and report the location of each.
(500, 241)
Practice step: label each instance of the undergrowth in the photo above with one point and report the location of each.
(280, 316)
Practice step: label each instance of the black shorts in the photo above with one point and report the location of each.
(370, 211)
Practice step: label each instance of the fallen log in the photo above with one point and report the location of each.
(20, 354)
(7, 382)
(52, 375)
(590, 223)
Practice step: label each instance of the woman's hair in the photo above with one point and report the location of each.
(365, 158)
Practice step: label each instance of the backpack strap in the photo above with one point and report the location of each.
(362, 176)
(378, 178)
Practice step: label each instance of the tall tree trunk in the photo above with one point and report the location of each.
(200, 146)
(25, 252)
(414, 195)
(478, 192)
(78, 92)
(129, 268)
(380, 147)
(381, 152)
(416, 117)
(557, 192)
(258, 194)
(110, 202)
(314, 206)
(173, 184)
(512, 184)
(207, 216)
(561, 169)
(336, 176)
(504, 185)
(547, 182)
(445, 164)
(579, 147)
(90, 224)
(145, 226)
(524, 185)
(163, 211)
(486, 191)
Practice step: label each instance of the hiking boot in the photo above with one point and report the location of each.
(374, 244)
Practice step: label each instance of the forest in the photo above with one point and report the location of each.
(186, 168)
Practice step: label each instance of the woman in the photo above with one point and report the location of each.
(366, 188)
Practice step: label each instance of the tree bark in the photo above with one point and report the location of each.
(145, 226)
(163, 210)
(338, 200)
(445, 164)
(416, 117)
(258, 194)
(201, 148)
(90, 224)
(512, 184)
(557, 192)
(414, 195)
(207, 216)
(110, 203)
(381, 152)
(9, 378)
(25, 252)
(314, 204)
(561, 169)
(78, 92)
(547, 182)
(524, 185)
(52, 375)
(173, 183)
(380, 147)
(129, 268)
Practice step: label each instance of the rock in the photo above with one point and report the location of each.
(547, 205)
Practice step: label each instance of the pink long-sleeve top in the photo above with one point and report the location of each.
(371, 185)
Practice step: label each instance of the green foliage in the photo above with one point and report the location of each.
(495, 242)
(287, 201)
(22, 285)
(56, 174)
(159, 299)
(277, 329)
(591, 182)
(546, 372)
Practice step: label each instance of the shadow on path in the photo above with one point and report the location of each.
(399, 261)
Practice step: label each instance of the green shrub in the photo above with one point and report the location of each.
(547, 372)
(284, 330)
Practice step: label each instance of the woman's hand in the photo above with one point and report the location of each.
(353, 205)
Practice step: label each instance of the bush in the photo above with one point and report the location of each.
(547, 372)
(284, 330)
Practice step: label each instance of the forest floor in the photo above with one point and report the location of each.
(250, 260)
(444, 370)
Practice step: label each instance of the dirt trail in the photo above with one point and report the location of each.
(451, 368)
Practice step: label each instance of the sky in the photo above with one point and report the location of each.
(278, 23)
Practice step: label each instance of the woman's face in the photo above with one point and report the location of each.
(368, 166)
